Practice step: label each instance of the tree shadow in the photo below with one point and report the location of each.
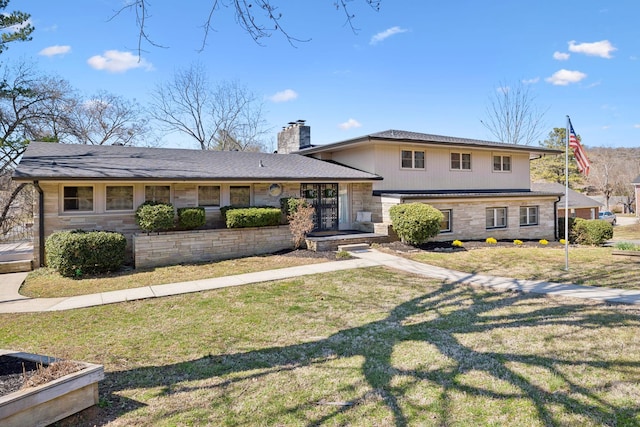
(376, 341)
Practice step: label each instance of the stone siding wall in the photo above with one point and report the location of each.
(169, 248)
(468, 220)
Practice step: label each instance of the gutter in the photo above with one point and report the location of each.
(36, 184)
(556, 232)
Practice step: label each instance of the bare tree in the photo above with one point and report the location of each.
(258, 18)
(104, 119)
(226, 116)
(512, 115)
(612, 171)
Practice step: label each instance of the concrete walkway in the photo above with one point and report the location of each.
(12, 302)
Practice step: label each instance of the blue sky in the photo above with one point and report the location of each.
(417, 65)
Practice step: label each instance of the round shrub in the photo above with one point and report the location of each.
(190, 218)
(154, 216)
(76, 253)
(592, 232)
(415, 223)
(253, 217)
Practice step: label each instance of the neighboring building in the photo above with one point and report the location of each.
(99, 187)
(483, 188)
(580, 206)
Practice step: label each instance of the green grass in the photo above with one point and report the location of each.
(367, 347)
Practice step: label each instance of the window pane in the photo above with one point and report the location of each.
(506, 163)
(501, 217)
(240, 195)
(445, 224)
(419, 160)
(78, 198)
(119, 197)
(209, 195)
(406, 159)
(466, 161)
(497, 163)
(157, 193)
(455, 160)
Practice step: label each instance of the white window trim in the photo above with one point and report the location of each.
(413, 159)
(220, 189)
(63, 211)
(450, 229)
(495, 217)
(461, 169)
(502, 170)
(159, 184)
(529, 224)
(133, 198)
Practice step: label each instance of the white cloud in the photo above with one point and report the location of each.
(531, 81)
(55, 50)
(561, 56)
(564, 77)
(637, 126)
(350, 124)
(115, 61)
(284, 96)
(386, 34)
(602, 48)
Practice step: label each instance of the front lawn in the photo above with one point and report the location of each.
(365, 347)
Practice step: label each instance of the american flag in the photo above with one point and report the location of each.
(578, 151)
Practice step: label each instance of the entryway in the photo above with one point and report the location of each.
(324, 198)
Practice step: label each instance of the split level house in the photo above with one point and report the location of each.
(483, 188)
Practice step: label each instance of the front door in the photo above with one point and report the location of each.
(324, 198)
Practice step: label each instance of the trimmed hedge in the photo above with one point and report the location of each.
(190, 218)
(252, 217)
(76, 253)
(155, 216)
(592, 232)
(415, 223)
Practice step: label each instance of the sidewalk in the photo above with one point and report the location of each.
(12, 302)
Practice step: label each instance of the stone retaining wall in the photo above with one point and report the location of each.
(158, 249)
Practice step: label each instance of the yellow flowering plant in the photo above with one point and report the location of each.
(457, 243)
(517, 242)
(543, 242)
(491, 241)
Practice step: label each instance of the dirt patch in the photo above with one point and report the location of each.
(305, 253)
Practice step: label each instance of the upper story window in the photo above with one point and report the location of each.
(209, 195)
(240, 195)
(412, 159)
(461, 161)
(496, 217)
(445, 224)
(119, 197)
(502, 163)
(157, 193)
(78, 198)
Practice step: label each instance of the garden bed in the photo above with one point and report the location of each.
(50, 401)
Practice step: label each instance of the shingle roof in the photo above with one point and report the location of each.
(417, 137)
(576, 200)
(447, 194)
(49, 161)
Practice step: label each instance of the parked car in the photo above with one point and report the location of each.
(608, 216)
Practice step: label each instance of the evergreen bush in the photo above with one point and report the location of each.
(253, 217)
(592, 232)
(76, 253)
(190, 218)
(155, 216)
(415, 223)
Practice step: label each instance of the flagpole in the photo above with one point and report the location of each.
(566, 198)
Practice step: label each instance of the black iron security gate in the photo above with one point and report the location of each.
(324, 198)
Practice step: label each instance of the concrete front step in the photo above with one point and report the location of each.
(15, 266)
(354, 247)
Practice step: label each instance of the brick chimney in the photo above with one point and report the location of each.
(293, 137)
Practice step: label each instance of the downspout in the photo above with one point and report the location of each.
(40, 222)
(556, 233)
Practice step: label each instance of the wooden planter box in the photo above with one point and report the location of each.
(53, 401)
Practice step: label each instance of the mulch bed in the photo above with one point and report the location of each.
(14, 372)
(467, 245)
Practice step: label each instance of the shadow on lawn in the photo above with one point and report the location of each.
(375, 342)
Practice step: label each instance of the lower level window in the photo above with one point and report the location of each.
(157, 193)
(119, 197)
(496, 217)
(445, 224)
(528, 215)
(240, 195)
(78, 199)
(209, 195)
